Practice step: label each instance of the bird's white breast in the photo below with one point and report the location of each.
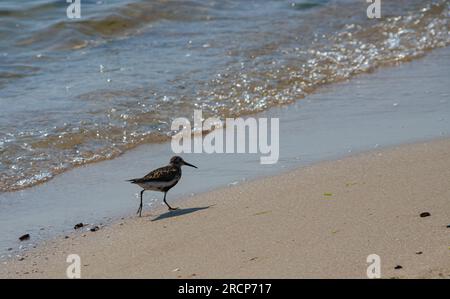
(157, 185)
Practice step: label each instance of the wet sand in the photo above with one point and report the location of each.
(320, 221)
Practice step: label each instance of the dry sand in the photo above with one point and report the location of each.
(316, 222)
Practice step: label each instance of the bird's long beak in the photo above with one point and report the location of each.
(187, 164)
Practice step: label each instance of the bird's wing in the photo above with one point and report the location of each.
(164, 174)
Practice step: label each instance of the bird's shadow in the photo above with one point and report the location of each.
(179, 212)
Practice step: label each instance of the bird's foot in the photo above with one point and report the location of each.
(173, 209)
(139, 211)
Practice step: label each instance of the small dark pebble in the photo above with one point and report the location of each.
(9, 249)
(448, 226)
(24, 237)
(398, 267)
(94, 229)
(79, 225)
(419, 252)
(66, 237)
(21, 259)
(425, 214)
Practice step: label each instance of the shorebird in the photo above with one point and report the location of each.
(161, 179)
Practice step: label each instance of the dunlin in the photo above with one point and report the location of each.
(161, 179)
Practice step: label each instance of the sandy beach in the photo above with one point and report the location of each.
(320, 221)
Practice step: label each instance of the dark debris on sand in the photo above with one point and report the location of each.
(24, 237)
(79, 225)
(94, 229)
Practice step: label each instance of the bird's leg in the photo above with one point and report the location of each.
(139, 211)
(170, 208)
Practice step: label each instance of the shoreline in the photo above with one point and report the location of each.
(164, 139)
(320, 227)
(392, 106)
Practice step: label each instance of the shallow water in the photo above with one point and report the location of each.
(80, 91)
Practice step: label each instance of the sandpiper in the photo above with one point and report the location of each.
(161, 179)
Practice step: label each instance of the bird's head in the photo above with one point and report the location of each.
(178, 161)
